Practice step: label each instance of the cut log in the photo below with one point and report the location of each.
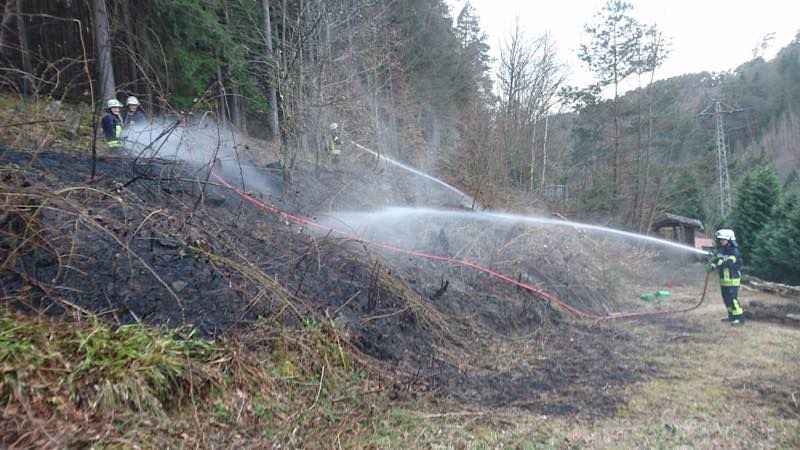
(783, 290)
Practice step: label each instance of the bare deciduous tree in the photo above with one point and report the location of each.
(529, 78)
(656, 50)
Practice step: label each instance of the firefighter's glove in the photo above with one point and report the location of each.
(713, 263)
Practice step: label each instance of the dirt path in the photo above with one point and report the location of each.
(702, 384)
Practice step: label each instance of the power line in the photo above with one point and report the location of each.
(717, 108)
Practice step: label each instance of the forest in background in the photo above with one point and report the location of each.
(415, 81)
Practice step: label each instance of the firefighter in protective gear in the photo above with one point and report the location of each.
(112, 124)
(728, 261)
(132, 114)
(334, 142)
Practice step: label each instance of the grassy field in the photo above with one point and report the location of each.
(718, 387)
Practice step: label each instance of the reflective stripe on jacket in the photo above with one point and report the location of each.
(333, 146)
(729, 264)
(112, 130)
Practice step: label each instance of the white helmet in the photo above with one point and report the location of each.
(132, 101)
(113, 103)
(334, 126)
(726, 234)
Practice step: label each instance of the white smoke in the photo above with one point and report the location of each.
(201, 143)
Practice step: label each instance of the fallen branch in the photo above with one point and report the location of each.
(384, 316)
(783, 290)
(454, 414)
(319, 389)
(335, 313)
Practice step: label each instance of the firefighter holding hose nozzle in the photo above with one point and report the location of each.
(728, 261)
(334, 143)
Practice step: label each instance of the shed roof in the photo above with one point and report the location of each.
(671, 220)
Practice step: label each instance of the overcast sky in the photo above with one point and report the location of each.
(707, 35)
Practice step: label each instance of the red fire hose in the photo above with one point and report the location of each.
(461, 262)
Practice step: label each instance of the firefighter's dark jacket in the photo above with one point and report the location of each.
(137, 117)
(112, 130)
(729, 264)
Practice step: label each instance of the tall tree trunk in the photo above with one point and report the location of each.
(617, 143)
(102, 39)
(392, 113)
(272, 97)
(288, 104)
(544, 155)
(237, 110)
(25, 50)
(653, 209)
(130, 42)
(533, 153)
(646, 180)
(637, 182)
(8, 13)
(375, 111)
(223, 108)
(232, 105)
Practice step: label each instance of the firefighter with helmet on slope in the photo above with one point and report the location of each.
(728, 261)
(133, 114)
(334, 143)
(112, 124)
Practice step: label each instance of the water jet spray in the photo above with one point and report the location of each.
(465, 199)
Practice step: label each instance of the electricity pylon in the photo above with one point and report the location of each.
(717, 108)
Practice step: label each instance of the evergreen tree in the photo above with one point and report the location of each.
(474, 49)
(428, 49)
(756, 199)
(194, 46)
(777, 245)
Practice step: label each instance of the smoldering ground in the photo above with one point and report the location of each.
(156, 251)
(586, 264)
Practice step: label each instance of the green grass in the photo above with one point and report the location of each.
(117, 386)
(132, 366)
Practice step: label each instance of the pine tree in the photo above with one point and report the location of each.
(474, 49)
(194, 46)
(756, 199)
(428, 49)
(777, 246)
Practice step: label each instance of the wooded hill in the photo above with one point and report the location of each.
(416, 83)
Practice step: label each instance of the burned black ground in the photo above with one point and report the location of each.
(160, 244)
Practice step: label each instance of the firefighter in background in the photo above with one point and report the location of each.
(728, 261)
(334, 143)
(133, 113)
(112, 124)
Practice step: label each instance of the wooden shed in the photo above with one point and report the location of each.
(677, 228)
